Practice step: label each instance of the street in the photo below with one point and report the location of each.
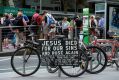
(5, 64)
(6, 73)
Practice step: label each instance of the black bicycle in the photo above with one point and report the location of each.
(26, 60)
(97, 59)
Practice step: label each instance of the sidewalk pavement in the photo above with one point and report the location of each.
(42, 74)
(7, 51)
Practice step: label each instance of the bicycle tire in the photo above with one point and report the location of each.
(108, 50)
(116, 56)
(83, 64)
(100, 59)
(31, 57)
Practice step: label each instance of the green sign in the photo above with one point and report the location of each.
(28, 12)
(85, 11)
(86, 24)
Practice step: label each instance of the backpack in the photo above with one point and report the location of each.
(34, 22)
(39, 20)
(6, 22)
(51, 21)
(18, 21)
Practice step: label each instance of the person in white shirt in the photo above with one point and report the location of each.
(93, 25)
(65, 26)
(49, 28)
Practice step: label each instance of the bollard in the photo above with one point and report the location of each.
(0, 40)
(59, 73)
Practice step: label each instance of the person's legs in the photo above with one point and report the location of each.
(17, 43)
(101, 33)
(65, 32)
(54, 32)
(45, 31)
(5, 42)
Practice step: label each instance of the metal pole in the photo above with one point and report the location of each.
(105, 16)
(60, 5)
(0, 40)
(76, 36)
(75, 7)
(40, 6)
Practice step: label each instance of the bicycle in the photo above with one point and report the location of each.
(111, 47)
(92, 57)
(71, 62)
(96, 56)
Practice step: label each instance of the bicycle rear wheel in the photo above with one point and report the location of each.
(75, 71)
(97, 60)
(116, 57)
(108, 50)
(25, 61)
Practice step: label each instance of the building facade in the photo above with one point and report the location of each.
(56, 7)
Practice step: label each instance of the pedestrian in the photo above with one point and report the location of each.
(49, 27)
(72, 28)
(6, 22)
(101, 26)
(24, 16)
(34, 18)
(3, 18)
(77, 24)
(37, 22)
(19, 21)
(11, 17)
(93, 25)
(65, 25)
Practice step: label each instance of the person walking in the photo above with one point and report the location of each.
(101, 27)
(19, 21)
(6, 23)
(65, 26)
(93, 25)
(49, 28)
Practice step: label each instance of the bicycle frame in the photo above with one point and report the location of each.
(114, 45)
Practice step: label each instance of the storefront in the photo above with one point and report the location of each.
(110, 10)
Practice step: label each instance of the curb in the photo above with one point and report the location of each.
(2, 54)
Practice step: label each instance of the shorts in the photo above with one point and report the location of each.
(45, 29)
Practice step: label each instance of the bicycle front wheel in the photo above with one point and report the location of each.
(25, 61)
(78, 70)
(116, 57)
(97, 60)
